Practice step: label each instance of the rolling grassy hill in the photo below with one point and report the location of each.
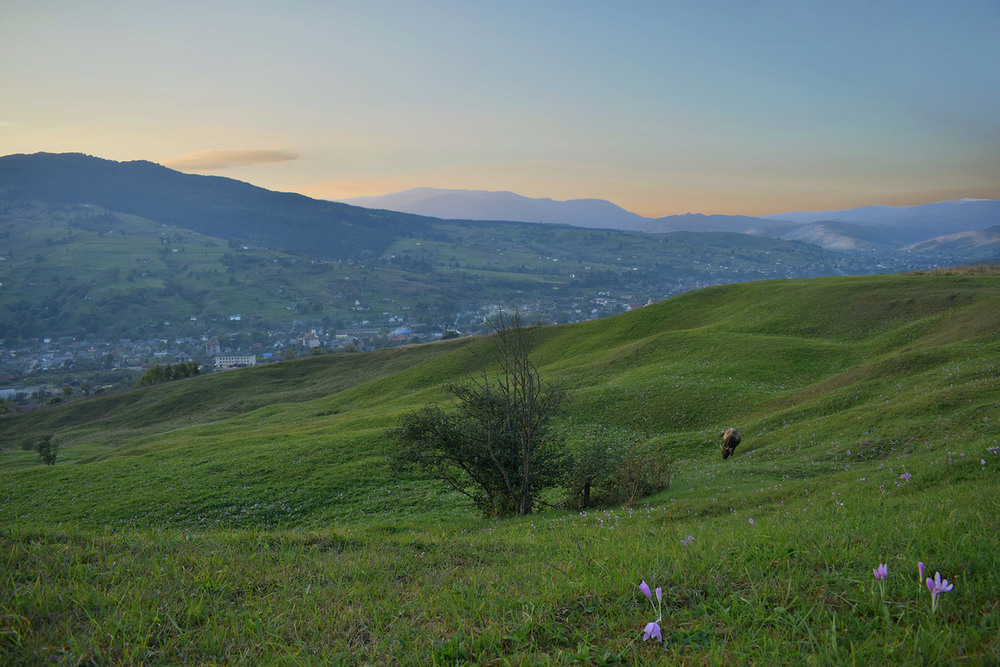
(251, 516)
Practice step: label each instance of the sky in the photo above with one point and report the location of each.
(662, 107)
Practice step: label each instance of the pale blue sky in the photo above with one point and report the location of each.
(663, 107)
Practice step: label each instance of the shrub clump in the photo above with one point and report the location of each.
(607, 465)
(46, 448)
(495, 446)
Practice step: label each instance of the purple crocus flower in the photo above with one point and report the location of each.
(937, 586)
(905, 476)
(644, 587)
(881, 572)
(920, 569)
(653, 628)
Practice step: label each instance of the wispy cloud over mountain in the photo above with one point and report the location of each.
(222, 159)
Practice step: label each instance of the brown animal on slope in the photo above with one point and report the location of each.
(730, 438)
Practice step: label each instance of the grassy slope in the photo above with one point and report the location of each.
(71, 269)
(249, 516)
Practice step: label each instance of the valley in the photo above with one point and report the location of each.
(119, 266)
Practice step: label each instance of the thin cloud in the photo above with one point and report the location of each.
(223, 159)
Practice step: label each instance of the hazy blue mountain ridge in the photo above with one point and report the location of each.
(211, 205)
(75, 260)
(227, 208)
(864, 228)
(501, 205)
(967, 214)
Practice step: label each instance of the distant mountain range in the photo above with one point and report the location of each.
(590, 213)
(212, 205)
(351, 229)
(968, 211)
(134, 249)
(487, 205)
(865, 228)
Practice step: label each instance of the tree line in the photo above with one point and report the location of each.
(159, 373)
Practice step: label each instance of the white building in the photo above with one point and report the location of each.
(224, 362)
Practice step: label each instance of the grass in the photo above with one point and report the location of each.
(175, 530)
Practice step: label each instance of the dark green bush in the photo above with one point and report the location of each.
(613, 465)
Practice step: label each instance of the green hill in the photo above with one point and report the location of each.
(109, 250)
(208, 205)
(84, 270)
(251, 516)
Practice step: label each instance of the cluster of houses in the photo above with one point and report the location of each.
(45, 367)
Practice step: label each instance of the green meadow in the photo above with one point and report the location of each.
(251, 517)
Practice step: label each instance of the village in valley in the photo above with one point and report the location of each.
(41, 371)
(38, 371)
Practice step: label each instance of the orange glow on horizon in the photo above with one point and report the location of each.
(674, 203)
